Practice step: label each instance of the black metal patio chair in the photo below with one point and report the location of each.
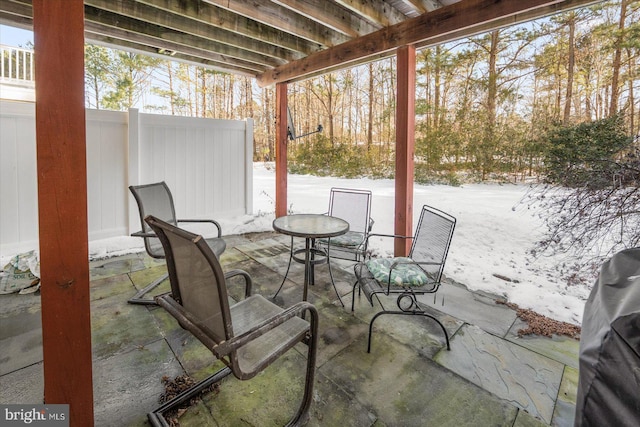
(247, 336)
(408, 277)
(156, 199)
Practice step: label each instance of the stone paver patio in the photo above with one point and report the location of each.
(491, 377)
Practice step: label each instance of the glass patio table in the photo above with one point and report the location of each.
(310, 227)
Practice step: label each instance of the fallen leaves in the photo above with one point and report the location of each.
(542, 325)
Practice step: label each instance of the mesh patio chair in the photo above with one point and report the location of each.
(247, 336)
(408, 277)
(156, 199)
(354, 206)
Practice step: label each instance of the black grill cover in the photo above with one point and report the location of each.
(609, 378)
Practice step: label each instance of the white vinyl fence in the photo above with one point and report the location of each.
(206, 163)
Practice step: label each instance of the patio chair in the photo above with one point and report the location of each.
(247, 336)
(354, 206)
(156, 199)
(408, 277)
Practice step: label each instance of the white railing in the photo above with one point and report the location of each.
(207, 164)
(16, 65)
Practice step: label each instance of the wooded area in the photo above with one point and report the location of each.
(484, 104)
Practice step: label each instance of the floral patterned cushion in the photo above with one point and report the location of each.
(351, 239)
(401, 275)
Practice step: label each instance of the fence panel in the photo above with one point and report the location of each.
(18, 178)
(202, 161)
(107, 179)
(206, 163)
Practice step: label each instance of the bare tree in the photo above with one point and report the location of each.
(591, 200)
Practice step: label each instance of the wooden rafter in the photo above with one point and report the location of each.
(383, 13)
(457, 20)
(423, 6)
(134, 14)
(286, 20)
(173, 40)
(331, 15)
(221, 18)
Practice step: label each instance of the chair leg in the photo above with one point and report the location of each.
(414, 313)
(156, 417)
(369, 297)
(353, 295)
(287, 272)
(331, 276)
(137, 298)
(302, 415)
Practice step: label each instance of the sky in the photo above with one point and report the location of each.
(16, 37)
(493, 238)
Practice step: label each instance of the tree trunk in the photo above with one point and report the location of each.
(269, 123)
(436, 89)
(632, 105)
(571, 22)
(172, 100)
(370, 121)
(556, 113)
(203, 89)
(492, 95)
(97, 94)
(617, 59)
(330, 107)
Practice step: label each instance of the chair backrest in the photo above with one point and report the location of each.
(432, 240)
(197, 279)
(154, 199)
(353, 206)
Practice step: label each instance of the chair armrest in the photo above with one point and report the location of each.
(215, 223)
(248, 283)
(185, 319)
(389, 235)
(371, 222)
(143, 234)
(413, 263)
(188, 322)
(395, 236)
(227, 347)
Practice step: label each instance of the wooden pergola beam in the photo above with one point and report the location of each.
(62, 206)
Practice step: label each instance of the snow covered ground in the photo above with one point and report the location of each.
(491, 248)
(492, 242)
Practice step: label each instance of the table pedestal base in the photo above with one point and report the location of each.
(312, 256)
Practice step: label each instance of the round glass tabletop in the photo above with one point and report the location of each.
(310, 225)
